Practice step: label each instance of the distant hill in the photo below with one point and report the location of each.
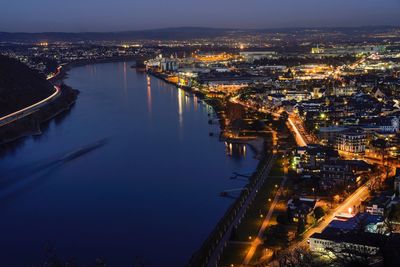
(20, 86)
(174, 34)
(157, 34)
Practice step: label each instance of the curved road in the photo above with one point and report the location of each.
(29, 109)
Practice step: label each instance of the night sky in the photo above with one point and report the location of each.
(117, 15)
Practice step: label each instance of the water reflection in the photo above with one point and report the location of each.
(92, 70)
(235, 150)
(13, 148)
(149, 100)
(181, 94)
(145, 173)
(125, 79)
(195, 104)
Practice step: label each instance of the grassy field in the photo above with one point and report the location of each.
(277, 169)
(252, 221)
(233, 255)
(255, 215)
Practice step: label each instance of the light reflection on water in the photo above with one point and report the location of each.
(157, 178)
(181, 94)
(149, 101)
(235, 150)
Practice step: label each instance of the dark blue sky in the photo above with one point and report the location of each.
(114, 15)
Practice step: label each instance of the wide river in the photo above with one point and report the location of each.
(146, 196)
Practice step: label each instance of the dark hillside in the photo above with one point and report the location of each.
(20, 86)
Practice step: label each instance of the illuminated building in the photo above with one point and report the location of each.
(352, 141)
(167, 64)
(342, 172)
(363, 242)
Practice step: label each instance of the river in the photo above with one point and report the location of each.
(129, 175)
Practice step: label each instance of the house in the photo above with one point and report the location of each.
(300, 208)
(380, 204)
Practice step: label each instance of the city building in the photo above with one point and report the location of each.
(313, 156)
(360, 222)
(379, 205)
(352, 141)
(343, 172)
(356, 243)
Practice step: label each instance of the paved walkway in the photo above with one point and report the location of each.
(215, 257)
(265, 223)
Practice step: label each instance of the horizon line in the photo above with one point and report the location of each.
(210, 28)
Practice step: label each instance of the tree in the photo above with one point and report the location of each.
(319, 213)
(276, 235)
(395, 213)
(282, 219)
(298, 257)
(301, 226)
(289, 214)
(284, 116)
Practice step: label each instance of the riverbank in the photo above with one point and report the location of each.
(256, 143)
(233, 207)
(32, 124)
(68, 66)
(122, 178)
(213, 247)
(29, 100)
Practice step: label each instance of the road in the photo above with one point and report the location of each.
(298, 136)
(29, 109)
(216, 254)
(55, 74)
(354, 199)
(294, 122)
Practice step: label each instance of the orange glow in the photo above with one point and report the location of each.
(214, 57)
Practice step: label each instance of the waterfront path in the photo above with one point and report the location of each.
(258, 241)
(217, 252)
(29, 109)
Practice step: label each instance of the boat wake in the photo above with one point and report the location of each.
(16, 181)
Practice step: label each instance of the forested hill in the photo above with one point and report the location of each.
(20, 86)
